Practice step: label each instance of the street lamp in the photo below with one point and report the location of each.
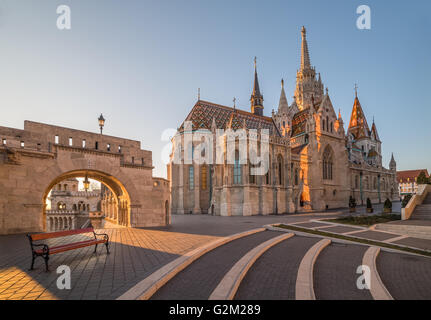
(86, 183)
(101, 123)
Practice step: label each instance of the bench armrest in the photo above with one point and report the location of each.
(45, 247)
(105, 236)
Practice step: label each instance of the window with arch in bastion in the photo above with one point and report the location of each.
(327, 164)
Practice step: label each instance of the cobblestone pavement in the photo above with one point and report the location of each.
(273, 276)
(135, 253)
(406, 277)
(200, 279)
(335, 273)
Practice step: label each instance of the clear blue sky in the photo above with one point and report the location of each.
(141, 62)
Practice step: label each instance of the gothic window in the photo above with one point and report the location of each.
(332, 127)
(323, 124)
(280, 170)
(191, 178)
(327, 123)
(356, 182)
(61, 206)
(252, 177)
(204, 178)
(296, 177)
(327, 163)
(237, 169)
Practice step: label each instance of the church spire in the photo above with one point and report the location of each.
(283, 105)
(256, 97)
(305, 56)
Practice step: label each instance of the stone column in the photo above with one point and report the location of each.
(197, 205)
(180, 192)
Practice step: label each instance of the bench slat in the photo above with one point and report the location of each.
(72, 246)
(58, 234)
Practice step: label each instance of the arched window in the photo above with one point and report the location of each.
(267, 175)
(61, 206)
(252, 177)
(280, 170)
(204, 177)
(323, 124)
(237, 169)
(327, 163)
(356, 182)
(327, 123)
(296, 177)
(191, 177)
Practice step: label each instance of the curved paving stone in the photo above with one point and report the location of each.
(199, 279)
(273, 275)
(406, 277)
(335, 273)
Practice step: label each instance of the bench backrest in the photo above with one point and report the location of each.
(58, 234)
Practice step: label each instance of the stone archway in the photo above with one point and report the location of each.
(117, 188)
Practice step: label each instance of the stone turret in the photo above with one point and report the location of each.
(393, 164)
(256, 97)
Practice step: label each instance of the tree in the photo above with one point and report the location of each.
(422, 178)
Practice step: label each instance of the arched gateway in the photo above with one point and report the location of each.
(37, 158)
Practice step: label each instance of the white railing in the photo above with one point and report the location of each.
(416, 200)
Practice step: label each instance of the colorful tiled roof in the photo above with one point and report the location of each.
(410, 175)
(299, 121)
(358, 125)
(204, 112)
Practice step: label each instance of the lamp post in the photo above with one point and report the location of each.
(86, 183)
(101, 123)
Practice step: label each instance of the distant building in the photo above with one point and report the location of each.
(71, 208)
(407, 181)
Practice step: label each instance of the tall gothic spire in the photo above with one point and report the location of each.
(256, 97)
(305, 56)
(283, 105)
(358, 125)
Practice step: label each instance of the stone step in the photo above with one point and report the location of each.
(423, 232)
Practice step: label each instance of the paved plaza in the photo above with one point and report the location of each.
(137, 253)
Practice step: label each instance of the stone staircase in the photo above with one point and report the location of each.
(423, 211)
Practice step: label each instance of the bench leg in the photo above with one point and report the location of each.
(95, 248)
(107, 247)
(46, 263)
(32, 262)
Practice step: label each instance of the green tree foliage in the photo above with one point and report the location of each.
(422, 178)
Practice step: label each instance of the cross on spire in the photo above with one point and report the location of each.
(234, 102)
(356, 90)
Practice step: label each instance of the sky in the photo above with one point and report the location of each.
(140, 63)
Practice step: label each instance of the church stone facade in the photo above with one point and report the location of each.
(314, 164)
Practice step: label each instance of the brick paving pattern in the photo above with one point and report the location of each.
(415, 242)
(199, 279)
(273, 276)
(339, 229)
(375, 235)
(135, 253)
(335, 273)
(406, 277)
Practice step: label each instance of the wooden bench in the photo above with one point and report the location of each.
(39, 249)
